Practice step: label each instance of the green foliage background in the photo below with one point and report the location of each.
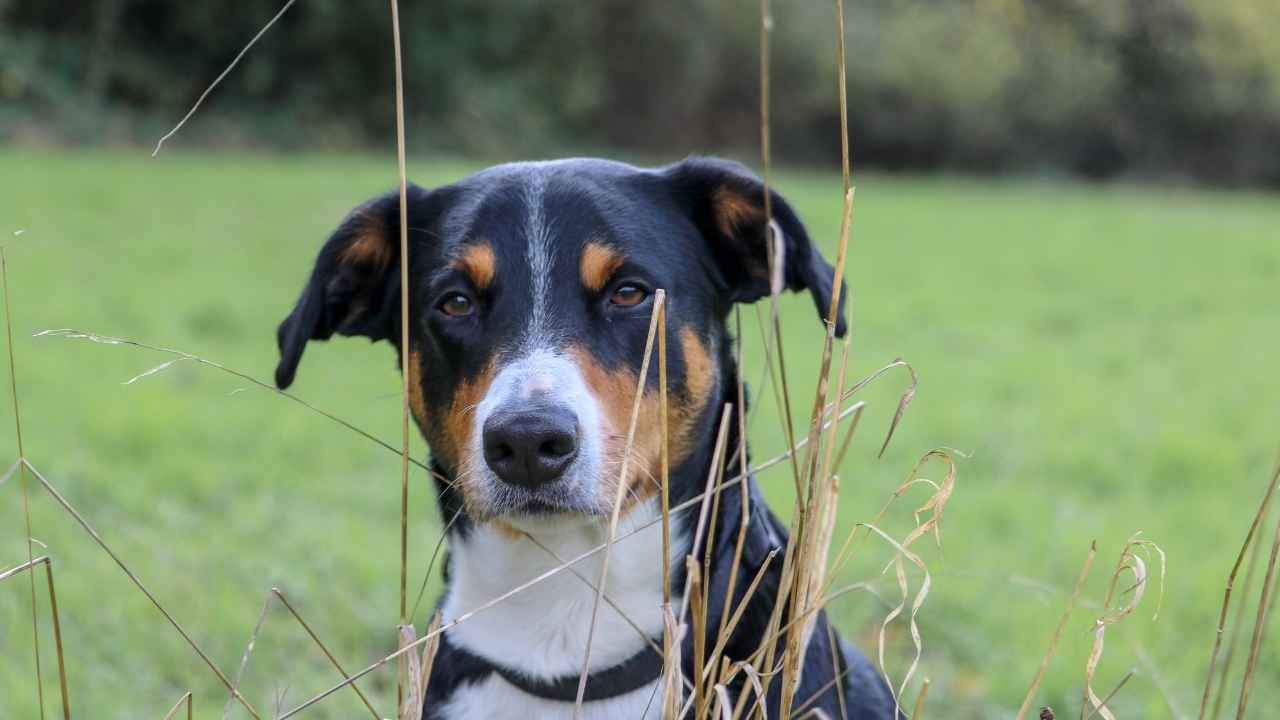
(1183, 88)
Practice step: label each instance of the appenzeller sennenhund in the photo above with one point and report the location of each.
(531, 287)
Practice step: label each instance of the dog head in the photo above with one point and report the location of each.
(531, 288)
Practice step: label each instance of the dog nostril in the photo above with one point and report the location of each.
(557, 446)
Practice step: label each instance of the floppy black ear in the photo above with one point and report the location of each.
(726, 202)
(355, 286)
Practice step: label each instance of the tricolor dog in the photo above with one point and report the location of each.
(531, 287)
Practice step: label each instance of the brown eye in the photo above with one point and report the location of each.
(628, 295)
(457, 305)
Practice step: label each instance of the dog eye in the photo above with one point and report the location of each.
(628, 295)
(456, 305)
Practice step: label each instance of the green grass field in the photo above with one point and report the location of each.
(1106, 356)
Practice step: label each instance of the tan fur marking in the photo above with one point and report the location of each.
(733, 211)
(615, 391)
(599, 263)
(699, 380)
(478, 263)
(370, 248)
(417, 403)
(451, 432)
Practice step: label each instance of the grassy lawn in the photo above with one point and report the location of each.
(1106, 357)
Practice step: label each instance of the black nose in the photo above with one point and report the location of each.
(530, 446)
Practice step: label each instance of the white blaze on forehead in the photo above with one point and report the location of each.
(537, 252)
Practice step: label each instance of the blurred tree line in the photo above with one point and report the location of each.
(1185, 88)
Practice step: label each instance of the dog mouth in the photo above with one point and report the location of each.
(561, 498)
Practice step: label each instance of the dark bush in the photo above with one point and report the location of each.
(1186, 88)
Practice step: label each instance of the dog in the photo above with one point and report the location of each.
(531, 290)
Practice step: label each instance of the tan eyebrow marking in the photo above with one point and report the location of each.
(478, 263)
(599, 262)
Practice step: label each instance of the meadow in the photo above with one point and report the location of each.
(1105, 357)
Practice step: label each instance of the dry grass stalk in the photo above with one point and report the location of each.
(830, 683)
(672, 680)
(936, 504)
(799, 581)
(226, 71)
(279, 594)
(1110, 695)
(1237, 624)
(744, 517)
(723, 703)
(664, 457)
(700, 679)
(1258, 517)
(1259, 626)
(823, 501)
(704, 664)
(23, 481)
(428, 661)
(836, 651)
(29, 568)
(208, 661)
(903, 401)
(1133, 564)
(917, 713)
(705, 498)
(726, 631)
(1057, 633)
(916, 603)
(431, 564)
(248, 650)
(659, 301)
(410, 676)
(188, 699)
(774, 241)
(698, 626)
(404, 328)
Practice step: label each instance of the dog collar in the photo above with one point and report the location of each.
(631, 674)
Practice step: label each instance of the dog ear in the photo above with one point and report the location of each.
(355, 286)
(726, 202)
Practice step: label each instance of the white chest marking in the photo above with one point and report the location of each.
(542, 631)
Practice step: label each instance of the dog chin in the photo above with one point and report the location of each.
(552, 505)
